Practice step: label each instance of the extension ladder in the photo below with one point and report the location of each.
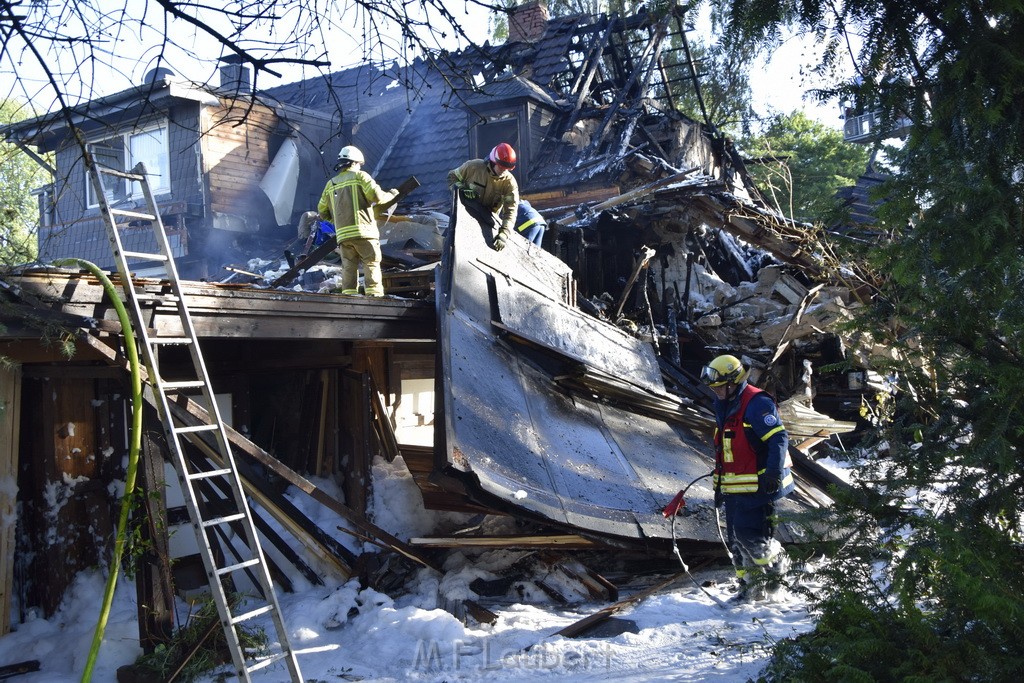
(211, 513)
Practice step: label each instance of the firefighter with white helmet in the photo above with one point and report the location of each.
(347, 201)
(752, 471)
(489, 191)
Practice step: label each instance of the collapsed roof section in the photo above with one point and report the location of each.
(552, 414)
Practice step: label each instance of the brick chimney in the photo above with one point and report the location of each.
(527, 22)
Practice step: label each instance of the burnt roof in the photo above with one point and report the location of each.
(417, 119)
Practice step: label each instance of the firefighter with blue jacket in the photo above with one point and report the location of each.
(529, 223)
(752, 471)
(348, 201)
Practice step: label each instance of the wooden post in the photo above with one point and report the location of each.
(10, 423)
(154, 582)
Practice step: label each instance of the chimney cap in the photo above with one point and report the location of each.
(157, 74)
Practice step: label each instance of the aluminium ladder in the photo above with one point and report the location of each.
(207, 513)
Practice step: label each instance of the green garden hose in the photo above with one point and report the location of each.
(135, 441)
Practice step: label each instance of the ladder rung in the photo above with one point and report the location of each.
(194, 428)
(266, 661)
(143, 255)
(182, 384)
(133, 214)
(224, 520)
(208, 474)
(253, 614)
(171, 340)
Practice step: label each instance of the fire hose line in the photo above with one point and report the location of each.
(671, 510)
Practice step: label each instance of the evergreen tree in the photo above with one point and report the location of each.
(19, 212)
(926, 580)
(802, 163)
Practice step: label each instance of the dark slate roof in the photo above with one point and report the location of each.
(552, 51)
(350, 91)
(860, 204)
(433, 140)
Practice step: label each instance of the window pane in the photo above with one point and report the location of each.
(109, 153)
(150, 148)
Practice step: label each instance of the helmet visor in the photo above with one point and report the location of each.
(714, 378)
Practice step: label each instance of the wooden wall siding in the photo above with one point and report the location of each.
(236, 154)
(68, 509)
(10, 423)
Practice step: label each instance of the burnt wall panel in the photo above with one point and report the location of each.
(68, 522)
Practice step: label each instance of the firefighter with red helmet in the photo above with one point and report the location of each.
(752, 471)
(489, 191)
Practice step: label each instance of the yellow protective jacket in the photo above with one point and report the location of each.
(500, 193)
(347, 201)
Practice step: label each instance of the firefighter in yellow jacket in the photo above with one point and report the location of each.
(347, 201)
(488, 190)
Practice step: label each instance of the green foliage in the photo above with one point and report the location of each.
(19, 213)
(803, 163)
(197, 647)
(723, 68)
(928, 582)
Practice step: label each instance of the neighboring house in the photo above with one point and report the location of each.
(209, 154)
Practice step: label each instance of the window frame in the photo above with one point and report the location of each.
(159, 178)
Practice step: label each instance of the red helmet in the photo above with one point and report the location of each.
(503, 156)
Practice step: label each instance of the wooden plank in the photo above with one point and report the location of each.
(632, 195)
(154, 579)
(325, 381)
(10, 425)
(507, 542)
(227, 311)
(583, 625)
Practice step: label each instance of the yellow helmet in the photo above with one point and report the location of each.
(723, 370)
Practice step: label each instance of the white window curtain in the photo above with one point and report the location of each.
(123, 152)
(150, 147)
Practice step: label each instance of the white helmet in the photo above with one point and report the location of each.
(351, 155)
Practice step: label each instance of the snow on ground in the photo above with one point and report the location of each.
(340, 632)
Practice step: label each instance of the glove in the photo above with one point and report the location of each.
(768, 483)
(500, 240)
(719, 498)
(466, 191)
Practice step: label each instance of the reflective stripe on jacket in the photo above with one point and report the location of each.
(740, 455)
(527, 216)
(347, 201)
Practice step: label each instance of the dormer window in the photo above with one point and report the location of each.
(122, 152)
